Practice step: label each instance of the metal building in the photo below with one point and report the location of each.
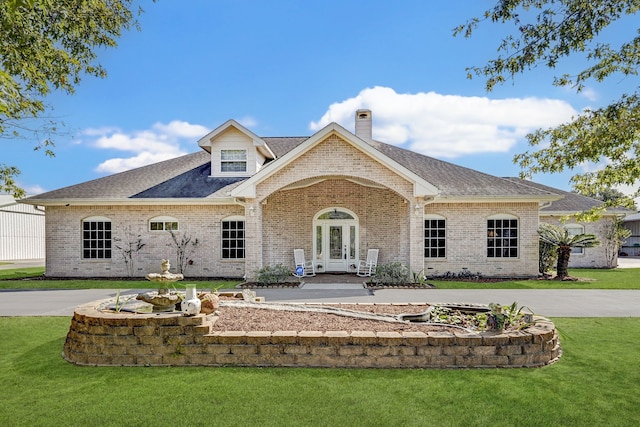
(21, 230)
(632, 246)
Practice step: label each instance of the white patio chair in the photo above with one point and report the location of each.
(303, 268)
(367, 267)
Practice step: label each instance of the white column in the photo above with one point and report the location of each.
(253, 238)
(416, 236)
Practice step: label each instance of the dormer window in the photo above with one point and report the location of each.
(233, 160)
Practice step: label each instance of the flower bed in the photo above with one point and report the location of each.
(98, 337)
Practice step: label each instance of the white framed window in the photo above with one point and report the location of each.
(435, 235)
(96, 238)
(233, 160)
(574, 230)
(163, 223)
(502, 236)
(233, 238)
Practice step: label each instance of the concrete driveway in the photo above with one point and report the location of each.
(552, 303)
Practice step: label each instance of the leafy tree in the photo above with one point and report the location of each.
(49, 45)
(547, 31)
(614, 235)
(560, 238)
(613, 197)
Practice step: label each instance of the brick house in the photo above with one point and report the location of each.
(250, 201)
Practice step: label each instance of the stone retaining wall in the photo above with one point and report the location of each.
(125, 339)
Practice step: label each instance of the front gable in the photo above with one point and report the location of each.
(318, 156)
(235, 150)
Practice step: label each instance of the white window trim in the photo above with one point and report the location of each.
(228, 219)
(502, 217)
(163, 220)
(223, 161)
(575, 251)
(96, 219)
(435, 217)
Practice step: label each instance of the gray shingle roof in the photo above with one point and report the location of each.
(189, 177)
(129, 183)
(570, 203)
(456, 181)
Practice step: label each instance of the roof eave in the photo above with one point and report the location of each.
(499, 199)
(132, 201)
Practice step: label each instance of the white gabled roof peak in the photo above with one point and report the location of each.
(421, 187)
(205, 141)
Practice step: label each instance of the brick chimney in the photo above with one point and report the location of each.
(364, 125)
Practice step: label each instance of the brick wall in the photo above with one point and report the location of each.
(466, 230)
(288, 220)
(64, 240)
(100, 338)
(282, 218)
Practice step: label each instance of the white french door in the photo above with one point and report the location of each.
(336, 241)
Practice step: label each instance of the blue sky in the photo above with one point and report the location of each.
(287, 68)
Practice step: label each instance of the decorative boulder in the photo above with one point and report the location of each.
(209, 303)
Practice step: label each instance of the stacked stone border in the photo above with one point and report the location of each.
(101, 338)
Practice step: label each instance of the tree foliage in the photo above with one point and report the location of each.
(545, 33)
(49, 45)
(614, 234)
(613, 197)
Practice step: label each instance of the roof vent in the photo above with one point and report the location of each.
(364, 125)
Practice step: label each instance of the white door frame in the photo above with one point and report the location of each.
(347, 222)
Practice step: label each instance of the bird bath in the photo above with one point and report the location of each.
(162, 300)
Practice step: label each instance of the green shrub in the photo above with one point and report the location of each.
(272, 274)
(548, 257)
(394, 273)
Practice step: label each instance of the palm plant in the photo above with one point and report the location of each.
(564, 242)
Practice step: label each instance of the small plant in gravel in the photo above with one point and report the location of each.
(498, 317)
(272, 274)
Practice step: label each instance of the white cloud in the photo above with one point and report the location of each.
(124, 164)
(181, 129)
(248, 122)
(33, 190)
(161, 142)
(589, 93)
(448, 125)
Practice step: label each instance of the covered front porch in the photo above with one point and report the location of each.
(335, 221)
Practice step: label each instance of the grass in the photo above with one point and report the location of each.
(619, 278)
(19, 279)
(594, 383)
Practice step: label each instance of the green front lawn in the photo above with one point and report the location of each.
(620, 278)
(30, 278)
(595, 383)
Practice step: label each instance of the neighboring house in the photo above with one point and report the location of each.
(632, 246)
(562, 213)
(21, 230)
(250, 201)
